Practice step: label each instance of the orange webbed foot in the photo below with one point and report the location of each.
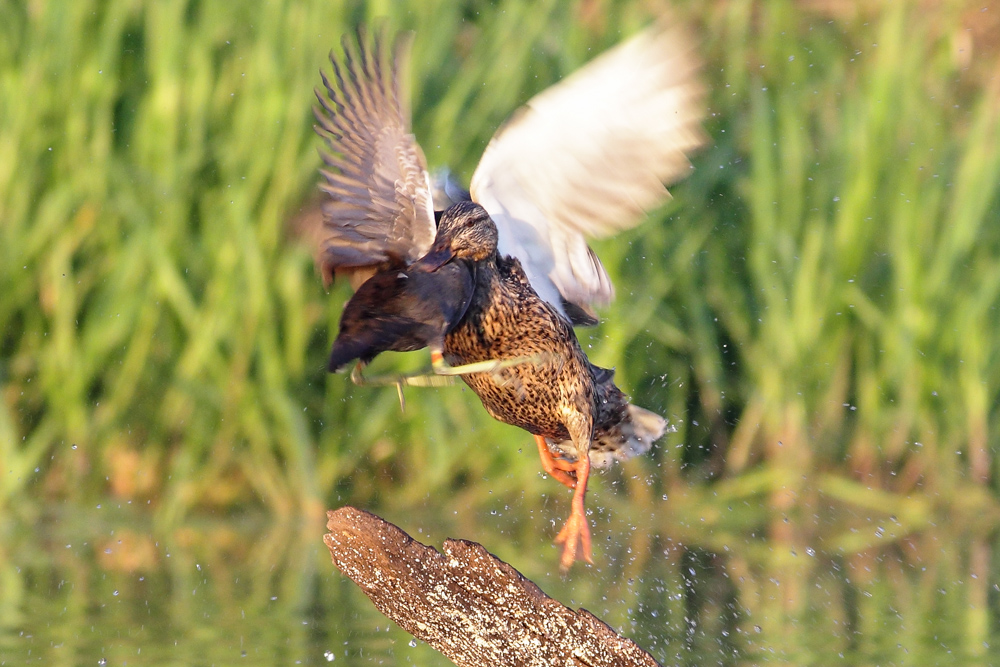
(556, 468)
(575, 535)
(575, 538)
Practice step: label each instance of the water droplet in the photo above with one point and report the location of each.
(330, 657)
(413, 643)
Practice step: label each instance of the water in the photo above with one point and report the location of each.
(107, 587)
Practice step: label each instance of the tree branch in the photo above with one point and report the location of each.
(468, 604)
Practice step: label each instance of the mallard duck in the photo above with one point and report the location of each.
(572, 407)
(586, 157)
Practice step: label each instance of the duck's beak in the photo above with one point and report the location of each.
(436, 258)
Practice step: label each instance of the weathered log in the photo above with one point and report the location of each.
(468, 604)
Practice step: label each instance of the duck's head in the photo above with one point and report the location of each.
(465, 231)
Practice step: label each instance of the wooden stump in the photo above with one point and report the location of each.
(468, 604)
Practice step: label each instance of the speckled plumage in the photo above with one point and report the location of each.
(561, 395)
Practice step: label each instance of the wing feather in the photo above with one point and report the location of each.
(589, 157)
(379, 211)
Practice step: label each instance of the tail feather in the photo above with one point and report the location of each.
(345, 351)
(366, 339)
(633, 435)
(641, 430)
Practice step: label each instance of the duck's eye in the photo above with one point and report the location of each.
(470, 223)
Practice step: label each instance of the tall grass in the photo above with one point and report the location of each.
(815, 310)
(838, 292)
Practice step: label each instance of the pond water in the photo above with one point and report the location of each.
(106, 586)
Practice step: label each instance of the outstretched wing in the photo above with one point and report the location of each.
(589, 157)
(379, 212)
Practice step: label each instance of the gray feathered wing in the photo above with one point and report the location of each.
(589, 157)
(379, 212)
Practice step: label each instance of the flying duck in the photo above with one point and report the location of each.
(585, 158)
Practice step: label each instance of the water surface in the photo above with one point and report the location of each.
(106, 586)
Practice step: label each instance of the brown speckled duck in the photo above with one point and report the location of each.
(571, 406)
(584, 158)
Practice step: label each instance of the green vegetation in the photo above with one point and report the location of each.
(815, 312)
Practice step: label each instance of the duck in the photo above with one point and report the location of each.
(585, 158)
(410, 308)
(574, 410)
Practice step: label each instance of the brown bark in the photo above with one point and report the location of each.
(468, 604)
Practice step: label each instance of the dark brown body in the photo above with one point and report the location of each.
(402, 310)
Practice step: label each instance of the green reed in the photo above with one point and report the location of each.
(814, 310)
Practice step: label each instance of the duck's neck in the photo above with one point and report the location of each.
(487, 277)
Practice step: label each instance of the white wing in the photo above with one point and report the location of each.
(589, 157)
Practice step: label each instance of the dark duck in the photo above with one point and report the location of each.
(496, 288)
(410, 308)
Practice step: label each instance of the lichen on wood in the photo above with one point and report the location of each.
(468, 604)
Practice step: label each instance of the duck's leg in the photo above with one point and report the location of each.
(358, 378)
(556, 468)
(575, 534)
(444, 373)
(442, 367)
(397, 380)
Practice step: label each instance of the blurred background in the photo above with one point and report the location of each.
(816, 313)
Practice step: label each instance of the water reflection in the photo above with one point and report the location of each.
(104, 586)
